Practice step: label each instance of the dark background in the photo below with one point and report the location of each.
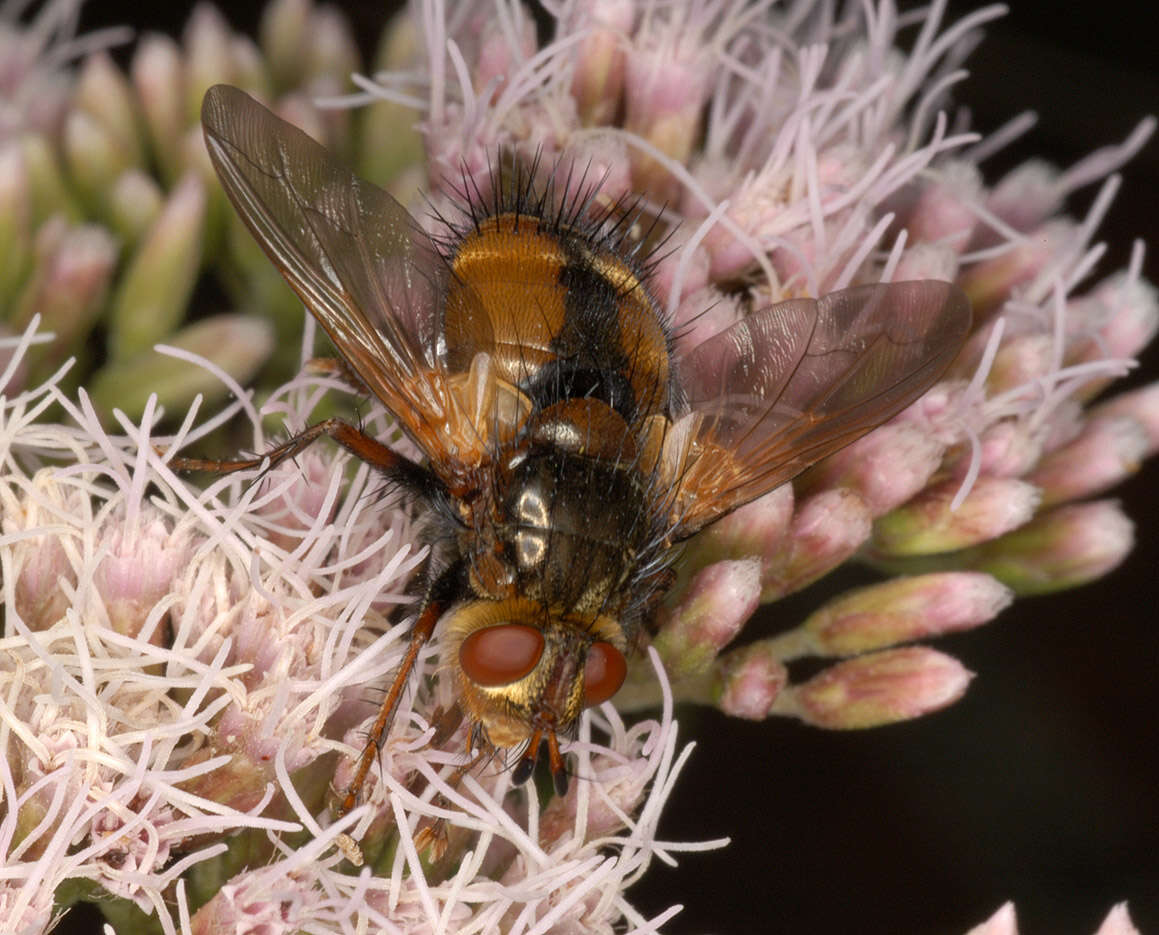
(1042, 785)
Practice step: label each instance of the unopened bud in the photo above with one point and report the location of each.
(45, 576)
(900, 610)
(1118, 922)
(49, 194)
(104, 93)
(15, 220)
(159, 77)
(68, 284)
(1021, 360)
(598, 77)
(156, 286)
(877, 689)
(989, 283)
(332, 53)
(284, 36)
(749, 681)
(208, 59)
(946, 210)
(664, 98)
(714, 607)
(239, 344)
(390, 143)
(928, 525)
(134, 204)
(756, 529)
(927, 261)
(95, 158)
(1141, 406)
(1116, 319)
(825, 531)
(1027, 195)
(885, 468)
(1108, 450)
(1063, 548)
(1003, 922)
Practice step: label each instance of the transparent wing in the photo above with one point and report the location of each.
(373, 279)
(794, 382)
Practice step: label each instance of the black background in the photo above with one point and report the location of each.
(1042, 786)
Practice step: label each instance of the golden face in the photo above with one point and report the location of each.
(525, 676)
(567, 446)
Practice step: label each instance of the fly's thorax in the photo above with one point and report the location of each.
(522, 667)
(574, 529)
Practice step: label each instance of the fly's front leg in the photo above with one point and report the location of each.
(440, 596)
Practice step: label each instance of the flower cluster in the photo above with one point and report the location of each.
(109, 209)
(804, 167)
(186, 674)
(183, 670)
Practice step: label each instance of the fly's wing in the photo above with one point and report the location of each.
(794, 382)
(375, 282)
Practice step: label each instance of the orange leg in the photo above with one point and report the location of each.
(354, 440)
(423, 628)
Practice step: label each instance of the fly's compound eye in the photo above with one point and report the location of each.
(501, 654)
(604, 673)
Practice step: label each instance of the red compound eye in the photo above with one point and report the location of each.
(604, 673)
(500, 655)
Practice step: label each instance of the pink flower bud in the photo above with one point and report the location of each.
(665, 87)
(927, 261)
(284, 36)
(1118, 318)
(599, 64)
(1108, 450)
(1118, 922)
(158, 75)
(885, 468)
(756, 529)
(105, 94)
(1010, 448)
(826, 530)
(497, 49)
(749, 681)
(712, 610)
(1063, 548)
(927, 524)
(1027, 195)
(331, 52)
(70, 281)
(1021, 360)
(878, 688)
(1141, 406)
(1003, 922)
(901, 610)
(207, 55)
(46, 575)
(944, 212)
(44, 562)
(138, 569)
(990, 283)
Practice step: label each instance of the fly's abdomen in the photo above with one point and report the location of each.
(559, 315)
